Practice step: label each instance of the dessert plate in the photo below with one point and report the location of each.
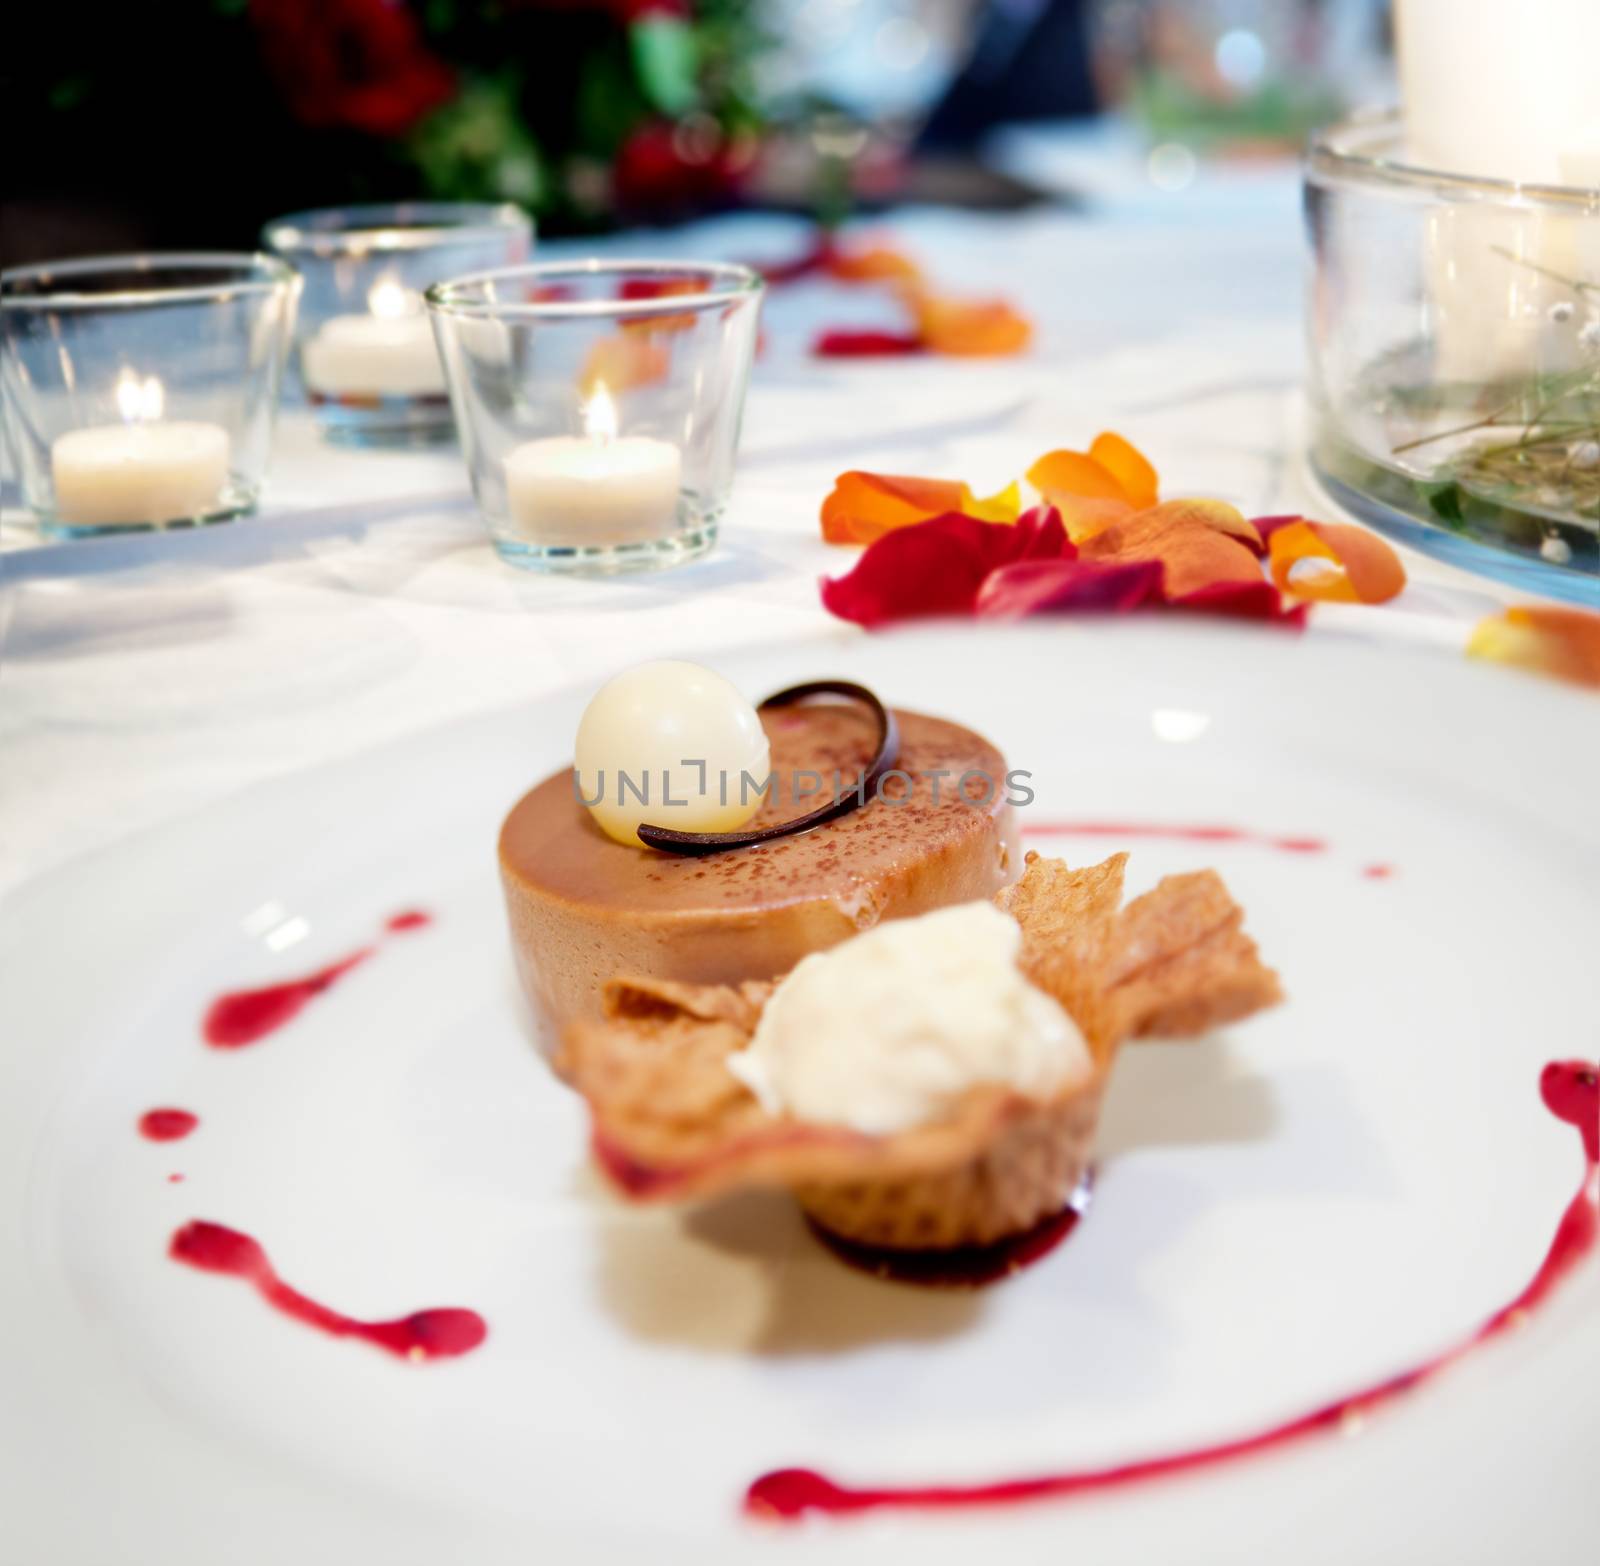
(1299, 1208)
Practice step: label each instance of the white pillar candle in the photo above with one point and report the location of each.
(389, 352)
(149, 469)
(594, 489)
(1500, 91)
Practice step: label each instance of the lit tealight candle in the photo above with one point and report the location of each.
(146, 469)
(594, 488)
(672, 744)
(389, 352)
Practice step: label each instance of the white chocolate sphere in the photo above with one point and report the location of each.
(678, 734)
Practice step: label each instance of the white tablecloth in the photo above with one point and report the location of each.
(142, 677)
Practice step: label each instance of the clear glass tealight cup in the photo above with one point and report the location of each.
(365, 352)
(140, 391)
(599, 405)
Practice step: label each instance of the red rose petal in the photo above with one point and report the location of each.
(659, 287)
(1040, 534)
(1061, 586)
(1246, 600)
(865, 345)
(936, 567)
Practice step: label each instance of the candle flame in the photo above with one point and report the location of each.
(140, 399)
(600, 415)
(392, 299)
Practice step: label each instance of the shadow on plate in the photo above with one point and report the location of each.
(744, 1275)
(1183, 1095)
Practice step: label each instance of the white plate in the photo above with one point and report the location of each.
(1285, 1213)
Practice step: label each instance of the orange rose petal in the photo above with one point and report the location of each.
(1087, 515)
(661, 323)
(1217, 515)
(1089, 496)
(874, 264)
(626, 360)
(976, 327)
(1360, 567)
(1185, 537)
(1564, 643)
(1128, 466)
(865, 506)
(1059, 473)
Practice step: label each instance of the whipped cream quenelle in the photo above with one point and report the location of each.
(882, 1032)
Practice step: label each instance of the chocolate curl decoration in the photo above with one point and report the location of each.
(886, 755)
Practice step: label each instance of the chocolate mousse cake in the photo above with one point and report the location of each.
(585, 907)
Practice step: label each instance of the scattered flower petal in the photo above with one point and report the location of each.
(874, 263)
(1353, 565)
(1129, 466)
(864, 506)
(941, 323)
(934, 548)
(1076, 473)
(1563, 643)
(1085, 516)
(971, 327)
(660, 287)
(1095, 488)
(1252, 599)
(1003, 506)
(818, 258)
(1057, 586)
(624, 360)
(641, 288)
(937, 567)
(1201, 542)
(865, 345)
(1266, 526)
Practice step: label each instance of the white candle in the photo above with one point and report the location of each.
(594, 489)
(387, 353)
(1501, 91)
(149, 469)
(1496, 89)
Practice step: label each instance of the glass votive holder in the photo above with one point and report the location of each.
(1454, 327)
(599, 404)
(365, 351)
(140, 391)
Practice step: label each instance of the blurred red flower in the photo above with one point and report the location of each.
(666, 168)
(351, 64)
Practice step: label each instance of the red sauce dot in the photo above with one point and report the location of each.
(167, 1125)
(1300, 845)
